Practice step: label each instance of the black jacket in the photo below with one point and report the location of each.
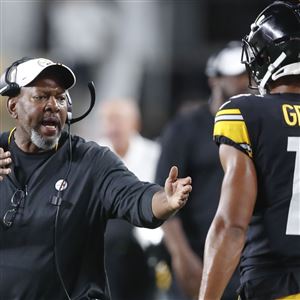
(46, 240)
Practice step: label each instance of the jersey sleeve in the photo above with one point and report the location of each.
(230, 128)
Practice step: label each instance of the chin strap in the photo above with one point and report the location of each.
(272, 67)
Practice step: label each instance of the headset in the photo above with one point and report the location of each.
(10, 88)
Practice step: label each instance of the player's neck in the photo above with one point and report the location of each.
(287, 84)
(282, 89)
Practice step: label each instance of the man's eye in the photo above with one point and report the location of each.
(61, 99)
(40, 98)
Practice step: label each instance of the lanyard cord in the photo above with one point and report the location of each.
(58, 204)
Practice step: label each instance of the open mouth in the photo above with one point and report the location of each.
(51, 125)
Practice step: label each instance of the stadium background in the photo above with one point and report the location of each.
(152, 50)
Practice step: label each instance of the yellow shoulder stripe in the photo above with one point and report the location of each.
(235, 130)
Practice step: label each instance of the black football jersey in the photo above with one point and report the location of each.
(267, 129)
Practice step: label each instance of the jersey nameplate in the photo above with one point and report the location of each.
(291, 114)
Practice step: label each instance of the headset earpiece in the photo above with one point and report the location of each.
(11, 90)
(8, 86)
(69, 107)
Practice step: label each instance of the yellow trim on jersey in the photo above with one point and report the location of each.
(234, 130)
(292, 297)
(230, 124)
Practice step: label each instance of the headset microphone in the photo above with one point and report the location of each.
(92, 90)
(69, 108)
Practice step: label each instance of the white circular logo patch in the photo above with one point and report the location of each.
(61, 185)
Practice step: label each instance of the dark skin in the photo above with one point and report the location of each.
(42, 108)
(227, 234)
(46, 98)
(186, 264)
(5, 160)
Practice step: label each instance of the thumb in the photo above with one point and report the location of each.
(173, 174)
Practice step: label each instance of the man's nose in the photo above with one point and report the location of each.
(52, 103)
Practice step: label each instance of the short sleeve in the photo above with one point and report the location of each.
(230, 128)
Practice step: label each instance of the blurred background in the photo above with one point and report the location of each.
(153, 51)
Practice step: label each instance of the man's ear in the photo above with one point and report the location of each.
(12, 107)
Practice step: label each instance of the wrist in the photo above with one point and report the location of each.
(161, 206)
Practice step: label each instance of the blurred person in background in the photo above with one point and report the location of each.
(127, 247)
(121, 123)
(187, 143)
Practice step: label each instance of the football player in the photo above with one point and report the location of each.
(258, 218)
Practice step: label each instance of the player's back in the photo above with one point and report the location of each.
(268, 130)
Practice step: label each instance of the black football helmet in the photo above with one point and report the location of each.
(272, 48)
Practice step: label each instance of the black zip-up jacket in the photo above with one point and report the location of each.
(47, 241)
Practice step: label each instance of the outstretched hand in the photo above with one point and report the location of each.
(5, 160)
(175, 195)
(177, 189)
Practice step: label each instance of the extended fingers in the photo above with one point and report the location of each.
(184, 192)
(181, 182)
(186, 189)
(173, 174)
(186, 180)
(5, 160)
(4, 171)
(4, 154)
